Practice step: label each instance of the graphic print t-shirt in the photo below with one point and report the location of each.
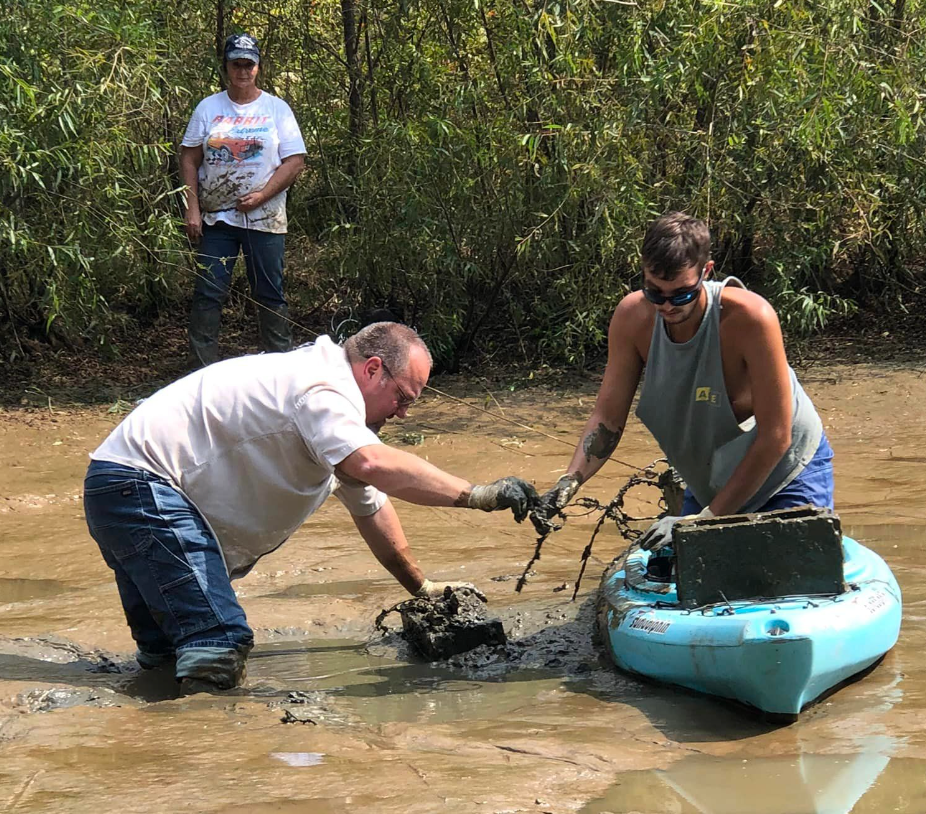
(242, 147)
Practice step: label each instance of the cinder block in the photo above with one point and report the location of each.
(751, 556)
(445, 627)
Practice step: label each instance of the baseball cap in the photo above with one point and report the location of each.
(242, 46)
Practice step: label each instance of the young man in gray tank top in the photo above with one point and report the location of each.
(718, 395)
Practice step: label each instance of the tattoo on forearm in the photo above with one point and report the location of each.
(462, 500)
(601, 442)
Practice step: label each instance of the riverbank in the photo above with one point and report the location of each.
(375, 729)
(135, 363)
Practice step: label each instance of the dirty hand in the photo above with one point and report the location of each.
(249, 202)
(556, 498)
(659, 535)
(504, 493)
(193, 223)
(435, 590)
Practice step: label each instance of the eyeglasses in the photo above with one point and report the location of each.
(404, 399)
(676, 300)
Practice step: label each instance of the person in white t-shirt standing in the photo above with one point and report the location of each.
(241, 151)
(218, 469)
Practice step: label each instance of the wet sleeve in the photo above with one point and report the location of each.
(196, 129)
(331, 426)
(359, 499)
(291, 141)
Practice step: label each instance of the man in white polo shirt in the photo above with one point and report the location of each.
(221, 467)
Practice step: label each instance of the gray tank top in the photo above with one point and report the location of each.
(684, 404)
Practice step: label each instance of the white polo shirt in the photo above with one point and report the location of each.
(253, 443)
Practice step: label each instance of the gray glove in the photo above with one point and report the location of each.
(553, 501)
(435, 590)
(505, 493)
(659, 535)
(560, 494)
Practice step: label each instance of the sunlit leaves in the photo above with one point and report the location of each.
(511, 157)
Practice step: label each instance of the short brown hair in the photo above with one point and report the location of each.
(390, 341)
(674, 243)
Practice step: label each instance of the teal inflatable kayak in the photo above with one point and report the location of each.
(776, 655)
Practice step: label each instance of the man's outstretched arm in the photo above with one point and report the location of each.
(406, 476)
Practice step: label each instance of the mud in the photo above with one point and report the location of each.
(540, 723)
(803, 784)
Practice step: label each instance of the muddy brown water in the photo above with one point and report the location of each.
(550, 727)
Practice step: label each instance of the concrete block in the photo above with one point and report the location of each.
(750, 556)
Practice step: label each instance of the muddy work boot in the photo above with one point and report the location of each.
(276, 335)
(195, 686)
(204, 336)
(211, 669)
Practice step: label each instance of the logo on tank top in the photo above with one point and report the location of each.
(705, 394)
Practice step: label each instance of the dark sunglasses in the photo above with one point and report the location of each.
(404, 399)
(676, 300)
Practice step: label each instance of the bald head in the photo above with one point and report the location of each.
(390, 341)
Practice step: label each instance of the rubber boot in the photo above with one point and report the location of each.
(275, 329)
(204, 336)
(193, 686)
(211, 669)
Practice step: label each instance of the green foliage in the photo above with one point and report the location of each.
(806, 312)
(506, 206)
(85, 165)
(493, 178)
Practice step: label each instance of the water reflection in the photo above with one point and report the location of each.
(379, 689)
(298, 759)
(799, 784)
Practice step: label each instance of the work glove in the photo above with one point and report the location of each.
(553, 501)
(561, 493)
(505, 493)
(659, 535)
(435, 590)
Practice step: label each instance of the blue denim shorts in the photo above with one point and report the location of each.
(172, 581)
(814, 485)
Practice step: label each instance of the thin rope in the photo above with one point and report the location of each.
(496, 416)
(196, 273)
(500, 417)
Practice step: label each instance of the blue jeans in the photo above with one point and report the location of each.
(814, 485)
(218, 250)
(172, 580)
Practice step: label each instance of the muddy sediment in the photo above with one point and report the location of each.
(336, 717)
